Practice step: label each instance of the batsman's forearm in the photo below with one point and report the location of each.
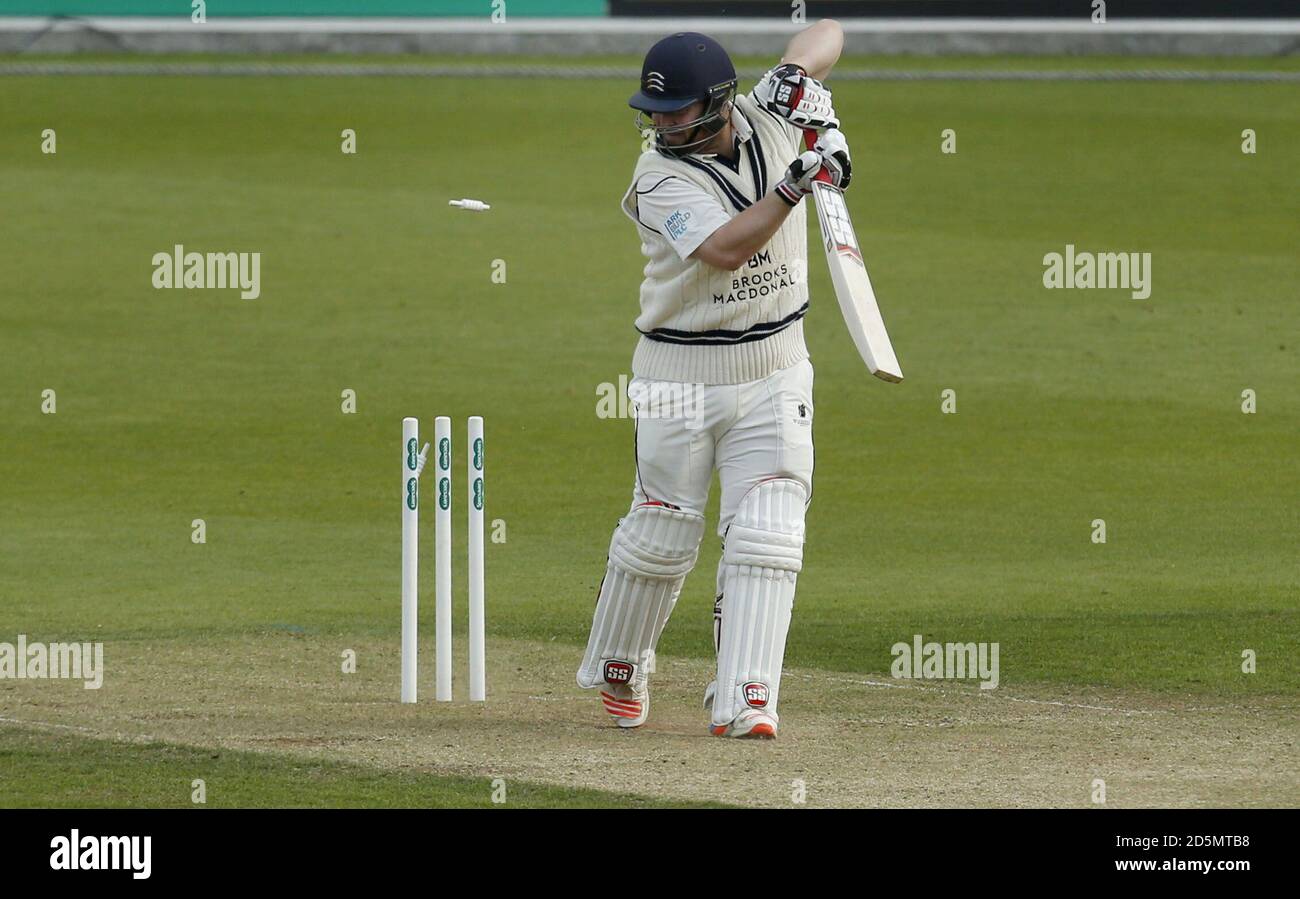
(750, 231)
(816, 48)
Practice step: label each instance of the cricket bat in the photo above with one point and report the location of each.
(849, 275)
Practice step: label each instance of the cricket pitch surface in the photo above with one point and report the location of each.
(846, 740)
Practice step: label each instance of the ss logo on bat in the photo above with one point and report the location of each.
(837, 216)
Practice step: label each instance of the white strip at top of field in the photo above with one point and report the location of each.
(576, 37)
(648, 26)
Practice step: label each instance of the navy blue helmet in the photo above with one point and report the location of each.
(685, 68)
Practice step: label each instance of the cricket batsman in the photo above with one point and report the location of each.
(717, 206)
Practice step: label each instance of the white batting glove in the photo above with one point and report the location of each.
(788, 92)
(798, 179)
(833, 152)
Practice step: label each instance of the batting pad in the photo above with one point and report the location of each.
(650, 554)
(761, 562)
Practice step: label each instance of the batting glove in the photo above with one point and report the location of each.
(833, 151)
(798, 179)
(788, 92)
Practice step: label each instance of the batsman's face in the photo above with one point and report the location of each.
(680, 117)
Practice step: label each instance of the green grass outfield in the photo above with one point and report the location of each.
(64, 770)
(1072, 405)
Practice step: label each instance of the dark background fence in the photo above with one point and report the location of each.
(1074, 9)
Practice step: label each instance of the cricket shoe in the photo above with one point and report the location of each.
(756, 729)
(628, 707)
(750, 724)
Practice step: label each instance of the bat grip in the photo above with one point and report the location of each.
(810, 138)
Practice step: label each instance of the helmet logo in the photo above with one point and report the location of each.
(654, 81)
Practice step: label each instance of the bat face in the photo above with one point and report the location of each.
(837, 227)
(852, 284)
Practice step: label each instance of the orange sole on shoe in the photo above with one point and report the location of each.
(761, 731)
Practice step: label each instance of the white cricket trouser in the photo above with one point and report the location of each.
(749, 432)
(758, 436)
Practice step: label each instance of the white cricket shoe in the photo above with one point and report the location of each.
(751, 724)
(628, 707)
(751, 727)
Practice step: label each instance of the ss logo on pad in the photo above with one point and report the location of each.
(617, 672)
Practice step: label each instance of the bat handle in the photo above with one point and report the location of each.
(810, 138)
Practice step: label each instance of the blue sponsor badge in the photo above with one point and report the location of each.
(678, 223)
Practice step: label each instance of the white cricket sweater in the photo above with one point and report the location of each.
(700, 324)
